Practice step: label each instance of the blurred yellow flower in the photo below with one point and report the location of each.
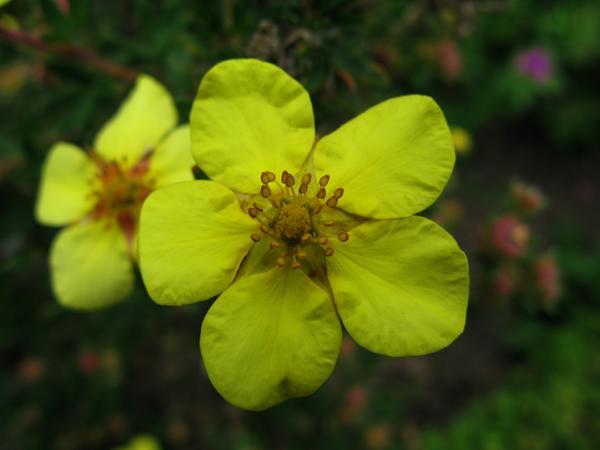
(99, 195)
(462, 140)
(333, 234)
(141, 442)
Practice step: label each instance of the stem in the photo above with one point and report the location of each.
(69, 51)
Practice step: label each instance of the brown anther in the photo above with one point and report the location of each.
(324, 180)
(303, 188)
(281, 261)
(301, 255)
(274, 245)
(338, 193)
(306, 178)
(253, 212)
(284, 176)
(290, 180)
(265, 191)
(329, 251)
(306, 237)
(343, 236)
(264, 228)
(332, 202)
(329, 223)
(322, 240)
(258, 207)
(317, 210)
(255, 237)
(321, 193)
(296, 265)
(267, 177)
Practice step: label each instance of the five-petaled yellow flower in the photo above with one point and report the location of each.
(99, 195)
(299, 233)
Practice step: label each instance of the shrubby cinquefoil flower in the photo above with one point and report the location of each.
(99, 195)
(298, 233)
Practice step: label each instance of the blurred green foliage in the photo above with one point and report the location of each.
(514, 380)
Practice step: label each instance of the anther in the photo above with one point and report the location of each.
(281, 261)
(329, 251)
(324, 180)
(253, 212)
(338, 193)
(322, 240)
(284, 176)
(306, 237)
(264, 228)
(332, 202)
(321, 193)
(306, 178)
(301, 255)
(255, 237)
(303, 188)
(258, 207)
(290, 180)
(317, 210)
(296, 265)
(267, 177)
(343, 236)
(265, 191)
(329, 223)
(275, 244)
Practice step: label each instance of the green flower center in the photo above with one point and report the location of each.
(297, 223)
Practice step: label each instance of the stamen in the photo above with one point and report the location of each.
(322, 240)
(329, 251)
(275, 244)
(281, 261)
(265, 191)
(264, 228)
(303, 188)
(301, 255)
(267, 177)
(306, 178)
(332, 202)
(321, 193)
(306, 237)
(338, 193)
(324, 180)
(253, 212)
(329, 223)
(296, 264)
(258, 207)
(290, 180)
(255, 237)
(343, 236)
(284, 176)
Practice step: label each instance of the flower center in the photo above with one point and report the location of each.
(122, 192)
(297, 221)
(293, 222)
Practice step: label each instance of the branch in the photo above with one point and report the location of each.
(69, 51)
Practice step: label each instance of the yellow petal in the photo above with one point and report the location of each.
(250, 116)
(192, 238)
(172, 161)
(400, 286)
(139, 125)
(392, 161)
(90, 265)
(66, 188)
(270, 337)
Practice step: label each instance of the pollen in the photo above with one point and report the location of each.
(290, 219)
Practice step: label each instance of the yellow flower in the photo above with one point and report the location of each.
(141, 442)
(463, 143)
(333, 236)
(99, 195)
